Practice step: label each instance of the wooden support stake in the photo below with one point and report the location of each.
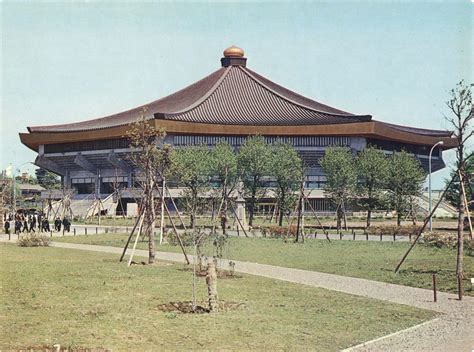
(136, 239)
(466, 207)
(317, 218)
(96, 231)
(131, 234)
(238, 220)
(366, 236)
(174, 229)
(177, 210)
(353, 235)
(74, 231)
(427, 219)
(85, 230)
(434, 288)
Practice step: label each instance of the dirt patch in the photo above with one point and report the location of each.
(202, 307)
(158, 263)
(221, 274)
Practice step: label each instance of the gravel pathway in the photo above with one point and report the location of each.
(452, 331)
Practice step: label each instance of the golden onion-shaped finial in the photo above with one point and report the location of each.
(233, 51)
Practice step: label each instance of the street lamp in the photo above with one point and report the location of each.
(429, 181)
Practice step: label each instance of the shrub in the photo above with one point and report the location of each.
(282, 232)
(186, 237)
(34, 240)
(447, 240)
(390, 230)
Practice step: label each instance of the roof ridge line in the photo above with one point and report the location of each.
(204, 97)
(291, 100)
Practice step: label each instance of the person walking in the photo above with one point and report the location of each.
(6, 226)
(26, 228)
(33, 223)
(66, 224)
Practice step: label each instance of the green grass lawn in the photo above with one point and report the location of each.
(369, 260)
(88, 300)
(258, 221)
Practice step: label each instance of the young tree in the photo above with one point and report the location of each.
(372, 171)
(191, 168)
(224, 170)
(286, 169)
(151, 157)
(341, 176)
(254, 164)
(405, 181)
(460, 106)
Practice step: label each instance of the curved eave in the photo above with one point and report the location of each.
(372, 129)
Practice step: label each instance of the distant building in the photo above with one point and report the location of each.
(29, 195)
(230, 103)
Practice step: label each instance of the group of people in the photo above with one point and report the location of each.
(33, 221)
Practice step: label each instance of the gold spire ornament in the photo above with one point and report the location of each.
(233, 51)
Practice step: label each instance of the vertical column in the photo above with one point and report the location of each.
(97, 183)
(67, 180)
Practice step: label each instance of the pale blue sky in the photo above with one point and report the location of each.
(67, 62)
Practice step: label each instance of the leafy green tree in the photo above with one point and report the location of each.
(224, 171)
(253, 163)
(405, 181)
(47, 179)
(191, 168)
(372, 171)
(286, 169)
(452, 194)
(341, 176)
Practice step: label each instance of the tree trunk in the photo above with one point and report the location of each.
(459, 259)
(281, 210)
(211, 281)
(252, 206)
(369, 215)
(192, 219)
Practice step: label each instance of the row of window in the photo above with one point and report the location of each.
(87, 145)
(239, 140)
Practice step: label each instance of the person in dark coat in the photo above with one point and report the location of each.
(6, 226)
(33, 223)
(57, 224)
(66, 224)
(46, 225)
(25, 225)
(17, 226)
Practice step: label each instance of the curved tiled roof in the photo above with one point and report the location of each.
(421, 131)
(240, 98)
(232, 95)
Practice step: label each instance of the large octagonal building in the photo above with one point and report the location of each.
(231, 103)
